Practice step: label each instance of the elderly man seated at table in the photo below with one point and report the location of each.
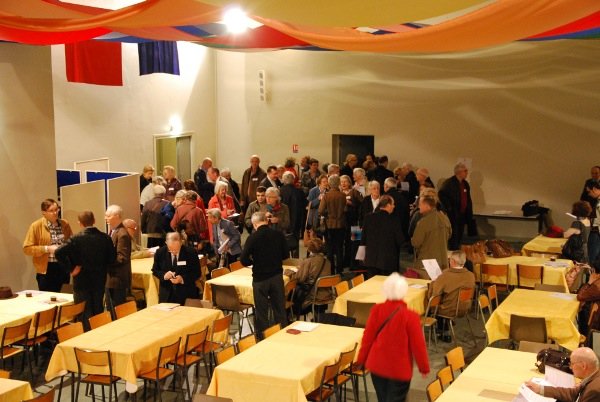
(448, 285)
(177, 267)
(585, 365)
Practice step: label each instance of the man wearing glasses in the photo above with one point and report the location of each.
(584, 364)
(44, 236)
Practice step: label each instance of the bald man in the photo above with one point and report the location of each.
(584, 364)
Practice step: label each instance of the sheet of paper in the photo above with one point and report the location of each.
(433, 268)
(531, 396)
(305, 326)
(223, 246)
(557, 264)
(404, 186)
(570, 215)
(559, 378)
(360, 253)
(33, 292)
(166, 306)
(564, 296)
(417, 286)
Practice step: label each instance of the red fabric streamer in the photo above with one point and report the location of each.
(94, 62)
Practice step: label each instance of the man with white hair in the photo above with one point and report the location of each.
(361, 183)
(333, 169)
(118, 281)
(455, 196)
(265, 251)
(585, 365)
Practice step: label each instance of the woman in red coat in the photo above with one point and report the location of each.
(222, 201)
(389, 346)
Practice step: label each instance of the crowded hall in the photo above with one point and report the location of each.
(291, 201)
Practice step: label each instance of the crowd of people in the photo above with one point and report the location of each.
(333, 210)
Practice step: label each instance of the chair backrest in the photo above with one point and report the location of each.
(434, 390)
(550, 288)
(225, 297)
(346, 358)
(328, 281)
(246, 343)
(196, 340)
(329, 372)
(359, 311)
(535, 347)
(529, 273)
(271, 330)
(234, 266)
(446, 376)
(93, 358)
(225, 354)
(593, 312)
(455, 358)
(357, 280)
(168, 354)
(198, 303)
(484, 303)
(15, 333)
(220, 325)
(203, 270)
(341, 288)
(489, 270)
(433, 303)
(125, 309)
(44, 321)
(100, 319)
(215, 273)
(531, 329)
(47, 397)
(465, 295)
(70, 313)
(4, 374)
(492, 292)
(67, 332)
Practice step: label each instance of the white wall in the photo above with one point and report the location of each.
(527, 113)
(94, 121)
(27, 154)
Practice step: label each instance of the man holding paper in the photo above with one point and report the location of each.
(584, 364)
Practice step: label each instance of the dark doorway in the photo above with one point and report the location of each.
(344, 144)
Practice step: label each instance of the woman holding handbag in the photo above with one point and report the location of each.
(392, 337)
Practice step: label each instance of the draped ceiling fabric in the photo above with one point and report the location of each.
(415, 26)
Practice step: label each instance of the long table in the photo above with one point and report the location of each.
(22, 308)
(559, 309)
(370, 291)
(14, 390)
(554, 271)
(134, 341)
(142, 278)
(241, 279)
(283, 367)
(546, 246)
(495, 375)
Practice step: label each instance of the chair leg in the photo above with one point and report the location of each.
(452, 331)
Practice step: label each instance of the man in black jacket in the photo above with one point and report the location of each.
(455, 196)
(177, 267)
(88, 255)
(265, 250)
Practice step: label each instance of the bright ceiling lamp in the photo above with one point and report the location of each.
(237, 21)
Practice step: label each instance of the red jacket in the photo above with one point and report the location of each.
(401, 341)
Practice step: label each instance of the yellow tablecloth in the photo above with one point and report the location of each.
(370, 291)
(141, 270)
(559, 309)
(134, 341)
(283, 367)
(14, 390)
(554, 271)
(241, 279)
(544, 245)
(495, 374)
(20, 309)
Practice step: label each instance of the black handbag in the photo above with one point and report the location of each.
(553, 358)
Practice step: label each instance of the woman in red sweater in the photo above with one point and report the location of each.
(393, 338)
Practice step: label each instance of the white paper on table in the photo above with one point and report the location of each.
(360, 253)
(502, 212)
(531, 396)
(165, 306)
(433, 268)
(559, 378)
(153, 249)
(557, 264)
(305, 326)
(564, 296)
(33, 292)
(417, 286)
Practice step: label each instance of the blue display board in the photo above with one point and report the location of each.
(66, 178)
(93, 176)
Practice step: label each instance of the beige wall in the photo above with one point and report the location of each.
(27, 154)
(94, 121)
(527, 113)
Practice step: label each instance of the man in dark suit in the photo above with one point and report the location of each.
(455, 196)
(401, 204)
(88, 255)
(265, 250)
(271, 180)
(382, 237)
(584, 364)
(118, 282)
(177, 267)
